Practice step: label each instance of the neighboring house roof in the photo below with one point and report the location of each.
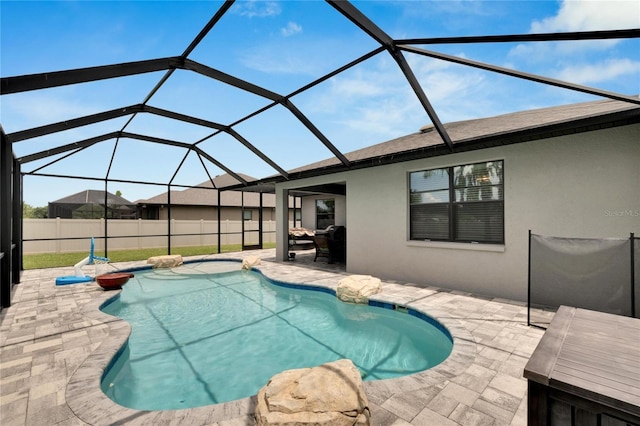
(476, 134)
(92, 196)
(198, 196)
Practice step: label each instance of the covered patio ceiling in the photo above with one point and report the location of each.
(118, 124)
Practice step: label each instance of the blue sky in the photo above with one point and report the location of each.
(283, 46)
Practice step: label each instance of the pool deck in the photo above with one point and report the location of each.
(55, 343)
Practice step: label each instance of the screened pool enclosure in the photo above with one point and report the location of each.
(23, 156)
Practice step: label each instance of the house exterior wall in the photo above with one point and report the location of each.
(583, 185)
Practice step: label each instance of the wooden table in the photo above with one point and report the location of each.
(586, 371)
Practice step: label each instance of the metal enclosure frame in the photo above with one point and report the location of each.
(10, 167)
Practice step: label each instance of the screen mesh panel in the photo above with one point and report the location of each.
(592, 274)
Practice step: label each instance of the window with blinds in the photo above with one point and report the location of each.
(462, 203)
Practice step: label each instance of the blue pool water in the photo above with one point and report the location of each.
(208, 333)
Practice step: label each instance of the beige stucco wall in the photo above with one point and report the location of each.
(583, 185)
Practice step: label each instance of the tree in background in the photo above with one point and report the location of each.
(31, 212)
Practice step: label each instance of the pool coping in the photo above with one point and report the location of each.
(90, 404)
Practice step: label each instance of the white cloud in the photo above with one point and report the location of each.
(360, 85)
(37, 109)
(581, 15)
(583, 61)
(442, 86)
(371, 99)
(589, 15)
(364, 83)
(262, 59)
(456, 92)
(543, 52)
(259, 9)
(291, 29)
(381, 103)
(382, 118)
(452, 7)
(293, 55)
(596, 73)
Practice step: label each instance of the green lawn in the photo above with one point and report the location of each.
(54, 260)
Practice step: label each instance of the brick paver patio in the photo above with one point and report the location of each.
(55, 343)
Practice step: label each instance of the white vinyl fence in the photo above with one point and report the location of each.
(73, 235)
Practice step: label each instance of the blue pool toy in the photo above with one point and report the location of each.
(79, 276)
(72, 279)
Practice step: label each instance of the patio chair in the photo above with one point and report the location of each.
(321, 243)
(330, 243)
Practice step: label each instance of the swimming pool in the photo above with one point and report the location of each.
(208, 333)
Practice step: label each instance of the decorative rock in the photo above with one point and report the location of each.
(250, 261)
(331, 394)
(358, 288)
(167, 261)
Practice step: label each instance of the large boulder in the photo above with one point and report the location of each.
(250, 261)
(358, 288)
(166, 261)
(331, 394)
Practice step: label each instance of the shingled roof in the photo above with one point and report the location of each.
(487, 132)
(522, 126)
(92, 196)
(205, 194)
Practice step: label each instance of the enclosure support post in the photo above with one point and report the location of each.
(16, 256)
(219, 224)
(6, 162)
(295, 208)
(169, 219)
(260, 229)
(106, 217)
(242, 219)
(529, 282)
(282, 223)
(633, 277)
